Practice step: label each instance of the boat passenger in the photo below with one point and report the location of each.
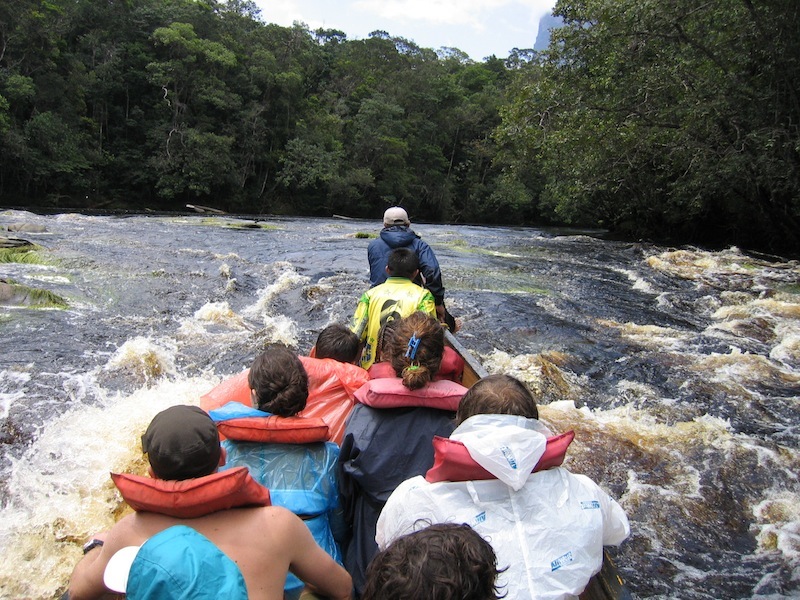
(266, 542)
(396, 298)
(397, 233)
(278, 382)
(443, 561)
(301, 475)
(331, 387)
(334, 375)
(548, 527)
(338, 342)
(384, 446)
(451, 367)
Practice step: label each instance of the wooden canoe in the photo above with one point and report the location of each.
(605, 585)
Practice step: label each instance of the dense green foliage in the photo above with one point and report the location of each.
(160, 103)
(668, 120)
(677, 120)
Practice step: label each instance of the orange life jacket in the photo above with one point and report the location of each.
(192, 498)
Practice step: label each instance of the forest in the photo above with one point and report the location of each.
(674, 122)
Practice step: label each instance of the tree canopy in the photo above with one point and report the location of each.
(675, 120)
(669, 121)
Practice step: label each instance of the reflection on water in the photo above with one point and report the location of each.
(677, 369)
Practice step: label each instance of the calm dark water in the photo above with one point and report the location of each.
(679, 370)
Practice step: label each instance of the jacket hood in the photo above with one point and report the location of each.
(398, 236)
(508, 446)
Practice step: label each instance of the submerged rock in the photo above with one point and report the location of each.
(17, 250)
(26, 228)
(10, 242)
(13, 294)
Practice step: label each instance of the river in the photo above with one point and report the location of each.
(678, 369)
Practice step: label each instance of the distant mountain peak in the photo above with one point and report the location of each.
(546, 23)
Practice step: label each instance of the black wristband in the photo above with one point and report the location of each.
(91, 544)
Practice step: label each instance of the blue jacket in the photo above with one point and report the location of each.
(302, 478)
(400, 236)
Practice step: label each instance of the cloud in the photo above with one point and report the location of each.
(441, 12)
(472, 13)
(283, 13)
(478, 27)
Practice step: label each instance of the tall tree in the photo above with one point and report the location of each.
(668, 119)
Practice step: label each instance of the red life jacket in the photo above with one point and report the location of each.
(331, 392)
(192, 498)
(275, 430)
(452, 367)
(452, 462)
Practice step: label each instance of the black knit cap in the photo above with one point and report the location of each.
(182, 442)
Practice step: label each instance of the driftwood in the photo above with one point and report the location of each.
(205, 209)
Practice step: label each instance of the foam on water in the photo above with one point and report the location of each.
(639, 283)
(60, 492)
(695, 264)
(787, 351)
(778, 523)
(634, 392)
(12, 388)
(743, 370)
(651, 336)
(543, 373)
(280, 328)
(220, 313)
(144, 358)
(677, 370)
(209, 334)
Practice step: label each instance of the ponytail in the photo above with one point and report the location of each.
(417, 349)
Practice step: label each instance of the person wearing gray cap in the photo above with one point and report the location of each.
(397, 233)
(263, 542)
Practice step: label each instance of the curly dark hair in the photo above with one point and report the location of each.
(497, 395)
(445, 561)
(279, 381)
(419, 366)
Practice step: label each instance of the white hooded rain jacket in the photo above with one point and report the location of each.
(547, 528)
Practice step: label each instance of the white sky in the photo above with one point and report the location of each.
(478, 27)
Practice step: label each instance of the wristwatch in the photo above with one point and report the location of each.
(91, 544)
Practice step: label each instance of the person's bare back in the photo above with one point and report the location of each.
(264, 542)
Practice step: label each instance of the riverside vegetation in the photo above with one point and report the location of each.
(670, 121)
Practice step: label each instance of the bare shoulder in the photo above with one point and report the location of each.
(274, 518)
(285, 528)
(125, 532)
(263, 529)
(280, 518)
